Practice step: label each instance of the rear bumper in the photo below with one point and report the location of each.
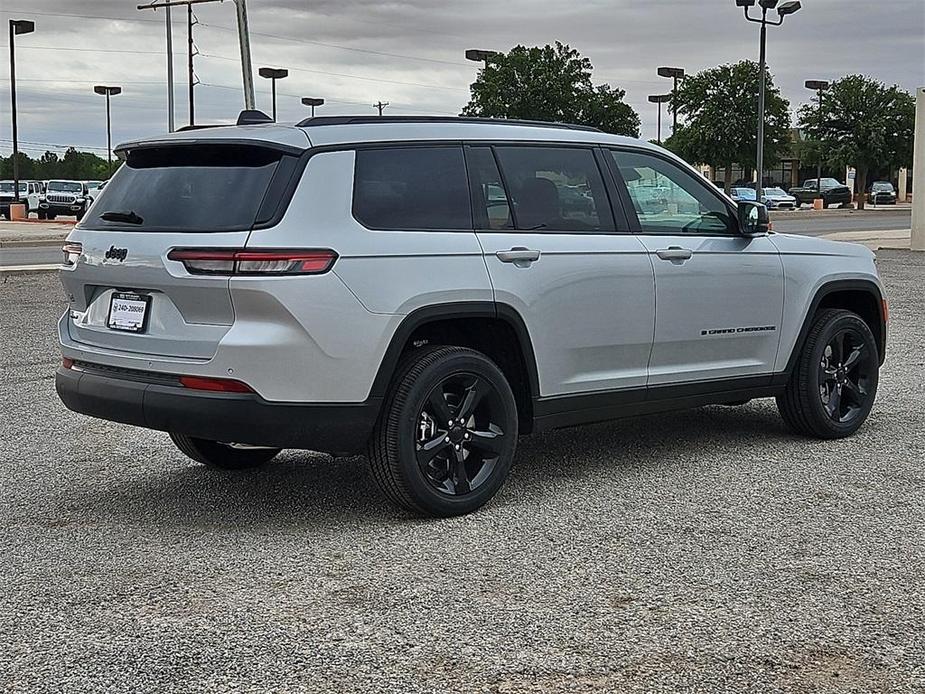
(227, 417)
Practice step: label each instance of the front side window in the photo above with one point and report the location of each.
(670, 200)
(555, 188)
(411, 188)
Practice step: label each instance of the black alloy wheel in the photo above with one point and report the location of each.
(446, 436)
(460, 433)
(845, 375)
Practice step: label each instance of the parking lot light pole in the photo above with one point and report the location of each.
(108, 92)
(675, 73)
(789, 7)
(17, 26)
(818, 86)
(480, 56)
(659, 99)
(312, 101)
(273, 74)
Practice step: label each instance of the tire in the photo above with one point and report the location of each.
(222, 456)
(834, 384)
(49, 216)
(80, 215)
(445, 439)
(41, 214)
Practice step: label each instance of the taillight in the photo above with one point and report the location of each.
(257, 262)
(71, 252)
(222, 385)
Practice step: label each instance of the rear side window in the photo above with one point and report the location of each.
(555, 188)
(411, 188)
(194, 188)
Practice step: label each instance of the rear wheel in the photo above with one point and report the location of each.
(223, 456)
(445, 440)
(832, 388)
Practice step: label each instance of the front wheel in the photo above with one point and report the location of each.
(832, 388)
(223, 456)
(445, 440)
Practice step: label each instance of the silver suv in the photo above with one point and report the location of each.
(427, 290)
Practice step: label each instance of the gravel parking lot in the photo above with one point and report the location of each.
(699, 551)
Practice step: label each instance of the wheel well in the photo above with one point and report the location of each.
(497, 339)
(863, 303)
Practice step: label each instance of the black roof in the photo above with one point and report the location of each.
(382, 120)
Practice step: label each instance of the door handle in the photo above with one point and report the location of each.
(518, 254)
(674, 253)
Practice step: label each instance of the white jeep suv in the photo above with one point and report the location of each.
(428, 289)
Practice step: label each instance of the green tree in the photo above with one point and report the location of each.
(552, 83)
(719, 108)
(864, 124)
(76, 165)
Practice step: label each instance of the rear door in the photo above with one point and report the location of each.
(191, 196)
(720, 295)
(556, 254)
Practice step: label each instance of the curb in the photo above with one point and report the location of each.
(28, 243)
(26, 269)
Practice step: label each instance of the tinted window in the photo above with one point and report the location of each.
(193, 188)
(411, 188)
(670, 200)
(555, 188)
(489, 199)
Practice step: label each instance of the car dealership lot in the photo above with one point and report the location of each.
(703, 550)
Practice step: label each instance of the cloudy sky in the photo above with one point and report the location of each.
(410, 53)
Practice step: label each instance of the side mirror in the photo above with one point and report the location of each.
(753, 218)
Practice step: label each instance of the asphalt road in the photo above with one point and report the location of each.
(31, 255)
(826, 223)
(704, 551)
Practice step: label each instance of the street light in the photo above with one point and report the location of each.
(785, 8)
(108, 92)
(17, 26)
(273, 74)
(480, 56)
(660, 99)
(818, 86)
(675, 73)
(312, 101)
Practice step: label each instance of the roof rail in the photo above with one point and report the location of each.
(382, 120)
(186, 128)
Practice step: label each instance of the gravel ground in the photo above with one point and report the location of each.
(701, 551)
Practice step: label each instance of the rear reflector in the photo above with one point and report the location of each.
(269, 262)
(886, 311)
(223, 385)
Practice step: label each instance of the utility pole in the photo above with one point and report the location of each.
(17, 27)
(167, 4)
(380, 105)
(675, 73)
(247, 70)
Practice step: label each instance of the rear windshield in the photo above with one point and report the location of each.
(193, 188)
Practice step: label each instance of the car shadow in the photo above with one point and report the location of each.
(312, 490)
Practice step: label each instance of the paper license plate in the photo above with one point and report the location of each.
(128, 311)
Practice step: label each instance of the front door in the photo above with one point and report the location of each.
(584, 289)
(719, 295)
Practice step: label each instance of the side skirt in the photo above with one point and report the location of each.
(571, 410)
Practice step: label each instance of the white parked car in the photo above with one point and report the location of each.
(778, 199)
(30, 192)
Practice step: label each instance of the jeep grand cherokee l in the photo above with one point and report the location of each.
(426, 290)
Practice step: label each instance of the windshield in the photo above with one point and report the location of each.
(745, 193)
(64, 187)
(196, 188)
(7, 187)
(774, 191)
(882, 185)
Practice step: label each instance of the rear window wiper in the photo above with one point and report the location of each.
(129, 217)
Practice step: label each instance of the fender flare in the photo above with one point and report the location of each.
(440, 312)
(825, 290)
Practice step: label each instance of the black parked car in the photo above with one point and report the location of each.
(831, 191)
(882, 193)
